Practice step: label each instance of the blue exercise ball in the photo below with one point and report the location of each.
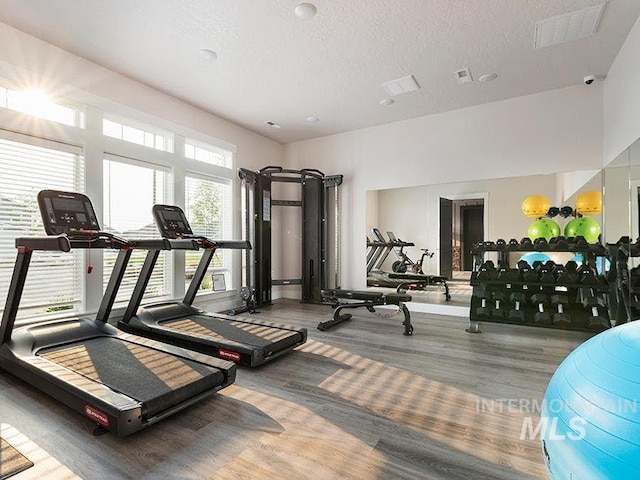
(590, 416)
(532, 257)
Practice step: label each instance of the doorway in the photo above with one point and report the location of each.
(462, 225)
(472, 226)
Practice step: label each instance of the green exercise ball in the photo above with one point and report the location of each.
(543, 228)
(583, 226)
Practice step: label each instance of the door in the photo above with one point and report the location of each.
(472, 219)
(446, 242)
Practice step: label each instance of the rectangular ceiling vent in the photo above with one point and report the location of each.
(568, 27)
(401, 85)
(463, 76)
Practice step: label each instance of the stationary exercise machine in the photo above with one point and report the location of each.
(241, 340)
(319, 203)
(109, 376)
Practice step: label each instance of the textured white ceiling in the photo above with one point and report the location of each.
(273, 66)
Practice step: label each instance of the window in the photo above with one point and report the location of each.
(37, 104)
(130, 190)
(208, 154)
(208, 208)
(142, 135)
(55, 279)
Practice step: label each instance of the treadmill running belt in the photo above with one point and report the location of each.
(156, 379)
(247, 333)
(11, 460)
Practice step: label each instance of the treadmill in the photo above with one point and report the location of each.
(241, 340)
(121, 382)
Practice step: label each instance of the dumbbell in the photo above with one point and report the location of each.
(501, 243)
(517, 314)
(541, 244)
(497, 309)
(587, 275)
(564, 276)
(481, 292)
(487, 271)
(545, 273)
(526, 243)
(513, 242)
(598, 318)
(558, 243)
(560, 301)
(508, 275)
(541, 316)
(527, 273)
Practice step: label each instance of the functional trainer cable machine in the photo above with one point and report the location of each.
(320, 205)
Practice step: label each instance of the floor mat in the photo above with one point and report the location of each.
(11, 460)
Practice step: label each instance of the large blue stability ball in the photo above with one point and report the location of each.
(590, 417)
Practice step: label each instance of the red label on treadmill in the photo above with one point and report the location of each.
(96, 415)
(229, 355)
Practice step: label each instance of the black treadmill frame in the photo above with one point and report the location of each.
(110, 409)
(139, 320)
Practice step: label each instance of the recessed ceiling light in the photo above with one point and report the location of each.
(387, 101)
(208, 55)
(305, 11)
(313, 119)
(489, 77)
(272, 124)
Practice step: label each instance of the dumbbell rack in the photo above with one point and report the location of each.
(579, 315)
(626, 303)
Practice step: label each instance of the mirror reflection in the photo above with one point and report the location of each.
(436, 226)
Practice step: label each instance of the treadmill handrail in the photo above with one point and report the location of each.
(58, 243)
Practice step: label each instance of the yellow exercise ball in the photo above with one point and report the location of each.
(535, 206)
(589, 203)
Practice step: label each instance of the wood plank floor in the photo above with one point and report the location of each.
(360, 401)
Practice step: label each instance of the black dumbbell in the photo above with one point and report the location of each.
(482, 293)
(526, 243)
(598, 319)
(508, 275)
(517, 314)
(541, 244)
(558, 243)
(581, 242)
(527, 273)
(541, 316)
(501, 243)
(514, 242)
(587, 275)
(497, 309)
(545, 274)
(560, 301)
(487, 271)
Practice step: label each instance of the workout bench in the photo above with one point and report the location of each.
(421, 281)
(342, 299)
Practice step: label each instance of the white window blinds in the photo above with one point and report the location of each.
(130, 190)
(208, 206)
(55, 279)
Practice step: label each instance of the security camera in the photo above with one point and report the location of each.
(589, 79)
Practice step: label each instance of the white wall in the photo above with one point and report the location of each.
(555, 131)
(622, 98)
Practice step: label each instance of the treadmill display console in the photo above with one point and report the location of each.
(66, 212)
(171, 221)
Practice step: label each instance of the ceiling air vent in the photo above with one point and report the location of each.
(463, 76)
(568, 27)
(401, 85)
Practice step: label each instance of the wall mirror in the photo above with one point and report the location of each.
(448, 219)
